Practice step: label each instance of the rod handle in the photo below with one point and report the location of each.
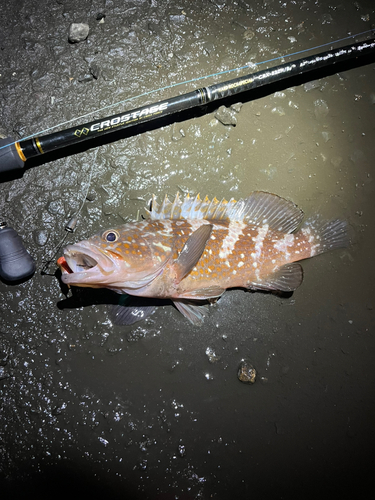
(10, 158)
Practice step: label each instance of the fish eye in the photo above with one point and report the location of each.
(111, 236)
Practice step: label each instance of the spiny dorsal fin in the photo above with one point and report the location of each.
(191, 208)
(259, 208)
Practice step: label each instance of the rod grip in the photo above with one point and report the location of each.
(9, 157)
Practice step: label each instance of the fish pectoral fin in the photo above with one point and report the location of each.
(192, 251)
(286, 279)
(211, 292)
(193, 311)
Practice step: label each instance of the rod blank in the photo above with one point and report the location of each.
(15, 155)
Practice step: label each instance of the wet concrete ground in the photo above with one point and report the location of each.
(155, 410)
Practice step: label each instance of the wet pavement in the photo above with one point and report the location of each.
(155, 410)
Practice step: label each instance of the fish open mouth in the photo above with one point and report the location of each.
(78, 262)
(84, 264)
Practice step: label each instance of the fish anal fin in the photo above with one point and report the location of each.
(192, 251)
(286, 279)
(193, 311)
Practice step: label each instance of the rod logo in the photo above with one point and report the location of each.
(131, 117)
(84, 131)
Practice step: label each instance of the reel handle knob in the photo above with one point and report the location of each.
(15, 262)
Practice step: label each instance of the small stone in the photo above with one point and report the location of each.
(236, 107)
(226, 116)
(246, 372)
(91, 195)
(85, 78)
(95, 70)
(78, 32)
(41, 237)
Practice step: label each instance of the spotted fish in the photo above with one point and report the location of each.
(191, 250)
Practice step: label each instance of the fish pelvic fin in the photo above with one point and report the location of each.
(193, 311)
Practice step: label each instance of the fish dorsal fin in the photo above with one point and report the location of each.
(262, 208)
(191, 208)
(259, 208)
(192, 251)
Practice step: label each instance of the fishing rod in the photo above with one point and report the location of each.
(13, 155)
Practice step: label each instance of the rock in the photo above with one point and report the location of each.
(95, 70)
(246, 372)
(41, 237)
(78, 32)
(226, 116)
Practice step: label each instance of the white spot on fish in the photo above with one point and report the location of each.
(242, 256)
(255, 264)
(234, 272)
(262, 233)
(240, 264)
(227, 263)
(229, 242)
(163, 247)
(284, 244)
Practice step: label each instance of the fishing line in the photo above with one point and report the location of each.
(71, 225)
(150, 92)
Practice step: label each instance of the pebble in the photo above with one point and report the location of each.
(41, 237)
(78, 32)
(226, 116)
(246, 372)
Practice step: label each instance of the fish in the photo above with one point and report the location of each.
(191, 250)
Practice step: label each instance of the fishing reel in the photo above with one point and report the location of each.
(16, 263)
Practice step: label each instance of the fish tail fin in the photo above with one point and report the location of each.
(324, 235)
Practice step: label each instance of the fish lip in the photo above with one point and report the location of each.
(78, 254)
